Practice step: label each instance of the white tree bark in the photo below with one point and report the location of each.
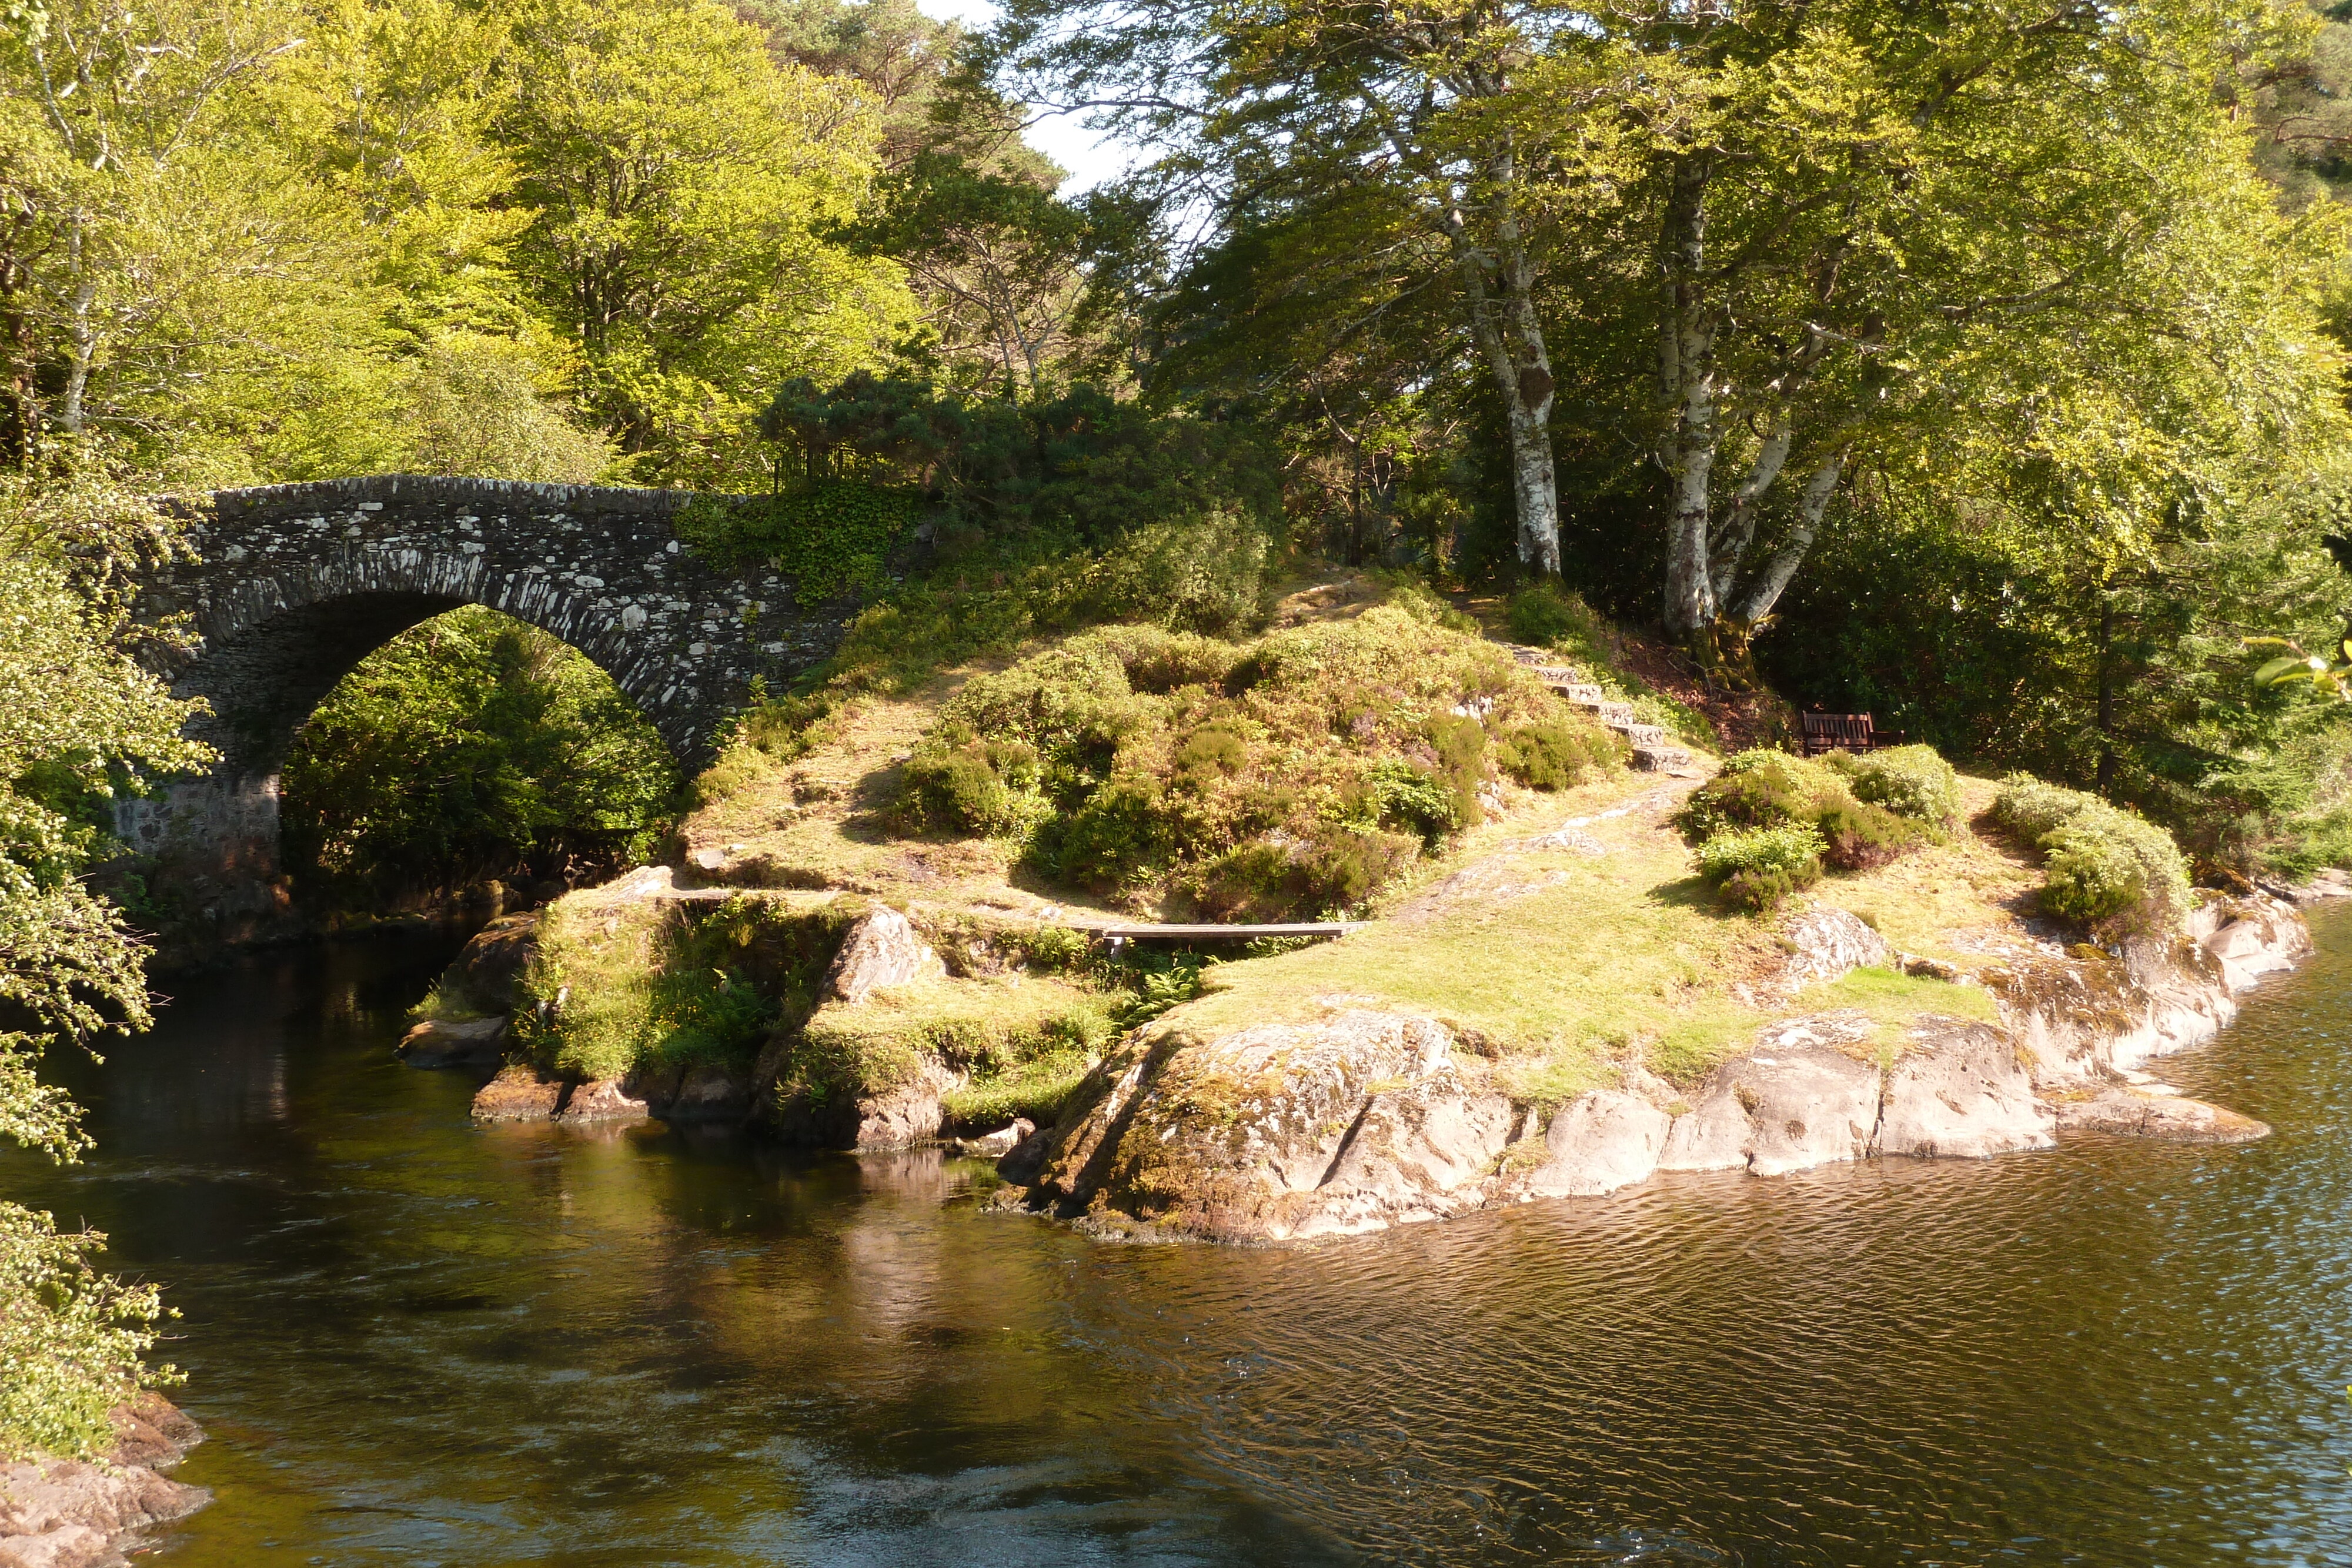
(1772, 580)
(1687, 383)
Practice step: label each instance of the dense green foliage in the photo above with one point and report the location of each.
(657, 985)
(79, 720)
(472, 749)
(2108, 869)
(1294, 774)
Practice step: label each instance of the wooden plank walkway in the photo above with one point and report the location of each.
(1218, 933)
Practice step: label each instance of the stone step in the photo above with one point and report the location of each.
(1660, 758)
(1554, 675)
(1614, 715)
(1579, 691)
(1642, 735)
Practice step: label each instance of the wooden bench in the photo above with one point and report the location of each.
(1844, 732)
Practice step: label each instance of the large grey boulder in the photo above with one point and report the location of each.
(1424, 1151)
(1786, 1108)
(1597, 1143)
(1962, 1094)
(882, 949)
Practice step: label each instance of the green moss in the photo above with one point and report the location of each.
(1037, 1089)
(664, 983)
(988, 1028)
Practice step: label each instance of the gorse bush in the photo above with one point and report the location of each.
(2116, 872)
(1297, 772)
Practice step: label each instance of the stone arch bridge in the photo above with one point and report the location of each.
(293, 584)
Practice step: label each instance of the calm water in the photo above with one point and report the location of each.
(418, 1342)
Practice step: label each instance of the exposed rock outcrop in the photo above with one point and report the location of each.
(1968, 1097)
(73, 1513)
(518, 1094)
(1370, 1118)
(904, 1115)
(603, 1100)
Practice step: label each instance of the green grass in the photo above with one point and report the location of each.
(990, 1028)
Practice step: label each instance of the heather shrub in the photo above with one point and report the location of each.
(1909, 780)
(2102, 866)
(1294, 774)
(1756, 868)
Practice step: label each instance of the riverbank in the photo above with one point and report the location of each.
(86, 1513)
(1548, 1003)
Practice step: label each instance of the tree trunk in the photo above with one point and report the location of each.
(2107, 774)
(1772, 580)
(1500, 291)
(1686, 384)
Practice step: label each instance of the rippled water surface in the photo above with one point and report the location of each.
(416, 1341)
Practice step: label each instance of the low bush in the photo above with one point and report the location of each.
(1772, 792)
(1295, 773)
(1545, 613)
(1909, 780)
(1555, 755)
(2118, 874)
(1756, 868)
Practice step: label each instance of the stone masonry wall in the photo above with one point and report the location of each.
(294, 584)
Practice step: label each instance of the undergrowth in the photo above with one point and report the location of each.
(1298, 772)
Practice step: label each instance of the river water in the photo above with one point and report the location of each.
(416, 1341)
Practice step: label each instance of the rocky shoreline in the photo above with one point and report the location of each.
(91, 1513)
(1369, 1118)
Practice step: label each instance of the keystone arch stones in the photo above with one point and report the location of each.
(294, 584)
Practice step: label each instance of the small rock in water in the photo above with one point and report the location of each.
(438, 1042)
(604, 1100)
(996, 1144)
(518, 1094)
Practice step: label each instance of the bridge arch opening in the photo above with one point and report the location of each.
(470, 753)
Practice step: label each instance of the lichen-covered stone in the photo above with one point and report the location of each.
(2173, 1118)
(1828, 943)
(1597, 1142)
(518, 1094)
(1786, 1108)
(882, 949)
